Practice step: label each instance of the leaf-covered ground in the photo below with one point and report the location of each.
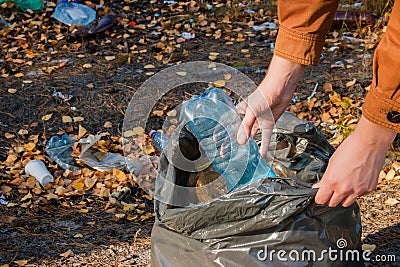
(56, 83)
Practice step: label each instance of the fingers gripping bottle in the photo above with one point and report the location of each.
(214, 121)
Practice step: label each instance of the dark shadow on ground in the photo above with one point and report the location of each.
(387, 241)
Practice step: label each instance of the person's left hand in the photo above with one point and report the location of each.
(354, 168)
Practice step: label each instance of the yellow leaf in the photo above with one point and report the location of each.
(78, 186)
(227, 76)
(82, 131)
(109, 58)
(12, 91)
(370, 247)
(120, 175)
(219, 83)
(84, 211)
(212, 65)
(77, 119)
(391, 201)
(9, 136)
(149, 66)
(149, 73)
(21, 262)
(158, 112)
(181, 73)
(159, 57)
(351, 83)
(67, 254)
(27, 81)
(90, 182)
(29, 146)
(50, 196)
(120, 215)
(87, 65)
(214, 54)
(78, 236)
(26, 197)
(107, 125)
(47, 117)
(18, 75)
(390, 175)
(66, 119)
(22, 132)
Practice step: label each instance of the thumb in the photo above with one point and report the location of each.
(245, 127)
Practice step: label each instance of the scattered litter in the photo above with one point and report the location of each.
(71, 13)
(188, 35)
(265, 25)
(249, 11)
(169, 2)
(3, 199)
(295, 100)
(272, 47)
(355, 5)
(4, 23)
(334, 48)
(338, 64)
(312, 93)
(101, 161)
(246, 69)
(34, 5)
(353, 40)
(64, 97)
(37, 169)
(97, 26)
(59, 150)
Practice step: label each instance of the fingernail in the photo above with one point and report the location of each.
(315, 185)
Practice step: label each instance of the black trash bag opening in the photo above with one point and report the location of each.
(240, 227)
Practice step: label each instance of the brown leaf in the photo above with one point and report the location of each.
(47, 117)
(391, 201)
(351, 83)
(27, 196)
(390, 175)
(67, 254)
(107, 125)
(66, 119)
(219, 83)
(6, 189)
(21, 262)
(90, 182)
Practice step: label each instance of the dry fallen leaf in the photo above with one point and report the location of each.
(109, 58)
(47, 117)
(9, 136)
(227, 76)
(107, 125)
(12, 90)
(219, 83)
(87, 65)
(370, 247)
(21, 262)
(181, 73)
(66, 119)
(390, 175)
(351, 83)
(78, 235)
(18, 75)
(149, 66)
(391, 201)
(67, 254)
(78, 119)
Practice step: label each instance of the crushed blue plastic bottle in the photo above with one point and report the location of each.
(71, 13)
(213, 119)
(158, 140)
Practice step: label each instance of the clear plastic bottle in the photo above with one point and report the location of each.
(213, 119)
(73, 13)
(159, 140)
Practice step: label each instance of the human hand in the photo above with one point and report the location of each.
(267, 103)
(354, 168)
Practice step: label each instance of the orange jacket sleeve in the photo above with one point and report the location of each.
(302, 31)
(382, 104)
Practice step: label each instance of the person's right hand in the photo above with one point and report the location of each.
(267, 103)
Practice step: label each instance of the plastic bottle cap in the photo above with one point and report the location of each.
(151, 133)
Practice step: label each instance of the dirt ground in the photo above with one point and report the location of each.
(53, 234)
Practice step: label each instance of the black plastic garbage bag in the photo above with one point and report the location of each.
(271, 222)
